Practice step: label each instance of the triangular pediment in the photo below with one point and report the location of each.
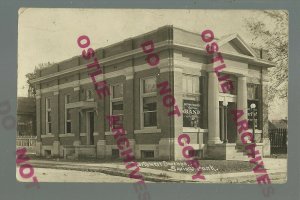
(235, 44)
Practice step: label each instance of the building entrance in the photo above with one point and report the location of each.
(228, 132)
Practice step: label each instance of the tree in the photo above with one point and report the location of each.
(271, 33)
(33, 75)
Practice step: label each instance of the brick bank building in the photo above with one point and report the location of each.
(71, 118)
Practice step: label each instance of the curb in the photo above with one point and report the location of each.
(109, 171)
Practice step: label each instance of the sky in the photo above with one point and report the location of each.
(50, 35)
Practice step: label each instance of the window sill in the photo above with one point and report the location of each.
(108, 133)
(48, 135)
(256, 131)
(111, 133)
(67, 135)
(194, 130)
(147, 130)
(82, 134)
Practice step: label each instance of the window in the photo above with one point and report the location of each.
(149, 102)
(89, 95)
(191, 84)
(68, 122)
(254, 97)
(147, 154)
(192, 100)
(48, 116)
(115, 153)
(116, 103)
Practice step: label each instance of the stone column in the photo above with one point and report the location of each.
(264, 109)
(165, 122)
(242, 101)
(77, 123)
(128, 105)
(213, 109)
(55, 123)
(38, 149)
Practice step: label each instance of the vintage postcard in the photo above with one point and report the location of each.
(152, 95)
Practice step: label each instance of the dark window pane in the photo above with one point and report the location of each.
(191, 113)
(68, 127)
(150, 119)
(149, 104)
(115, 153)
(49, 128)
(147, 154)
(117, 107)
(49, 116)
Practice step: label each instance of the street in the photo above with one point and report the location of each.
(60, 175)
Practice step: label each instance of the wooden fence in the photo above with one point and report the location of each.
(278, 138)
(28, 142)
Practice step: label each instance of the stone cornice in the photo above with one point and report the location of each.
(105, 61)
(158, 46)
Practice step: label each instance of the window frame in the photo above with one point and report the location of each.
(258, 101)
(48, 111)
(67, 101)
(87, 95)
(144, 95)
(113, 99)
(193, 96)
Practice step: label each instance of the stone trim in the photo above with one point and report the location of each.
(76, 83)
(76, 88)
(83, 134)
(47, 135)
(193, 130)
(67, 135)
(147, 130)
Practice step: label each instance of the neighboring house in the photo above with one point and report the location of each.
(276, 124)
(71, 118)
(26, 114)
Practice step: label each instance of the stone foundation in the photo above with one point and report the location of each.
(101, 145)
(221, 151)
(166, 149)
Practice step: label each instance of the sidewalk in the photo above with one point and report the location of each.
(276, 170)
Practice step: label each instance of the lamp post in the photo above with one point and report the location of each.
(253, 106)
(225, 104)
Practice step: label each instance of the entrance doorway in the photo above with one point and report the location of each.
(90, 128)
(228, 132)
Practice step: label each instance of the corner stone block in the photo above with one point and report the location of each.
(166, 148)
(266, 149)
(101, 144)
(56, 148)
(38, 148)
